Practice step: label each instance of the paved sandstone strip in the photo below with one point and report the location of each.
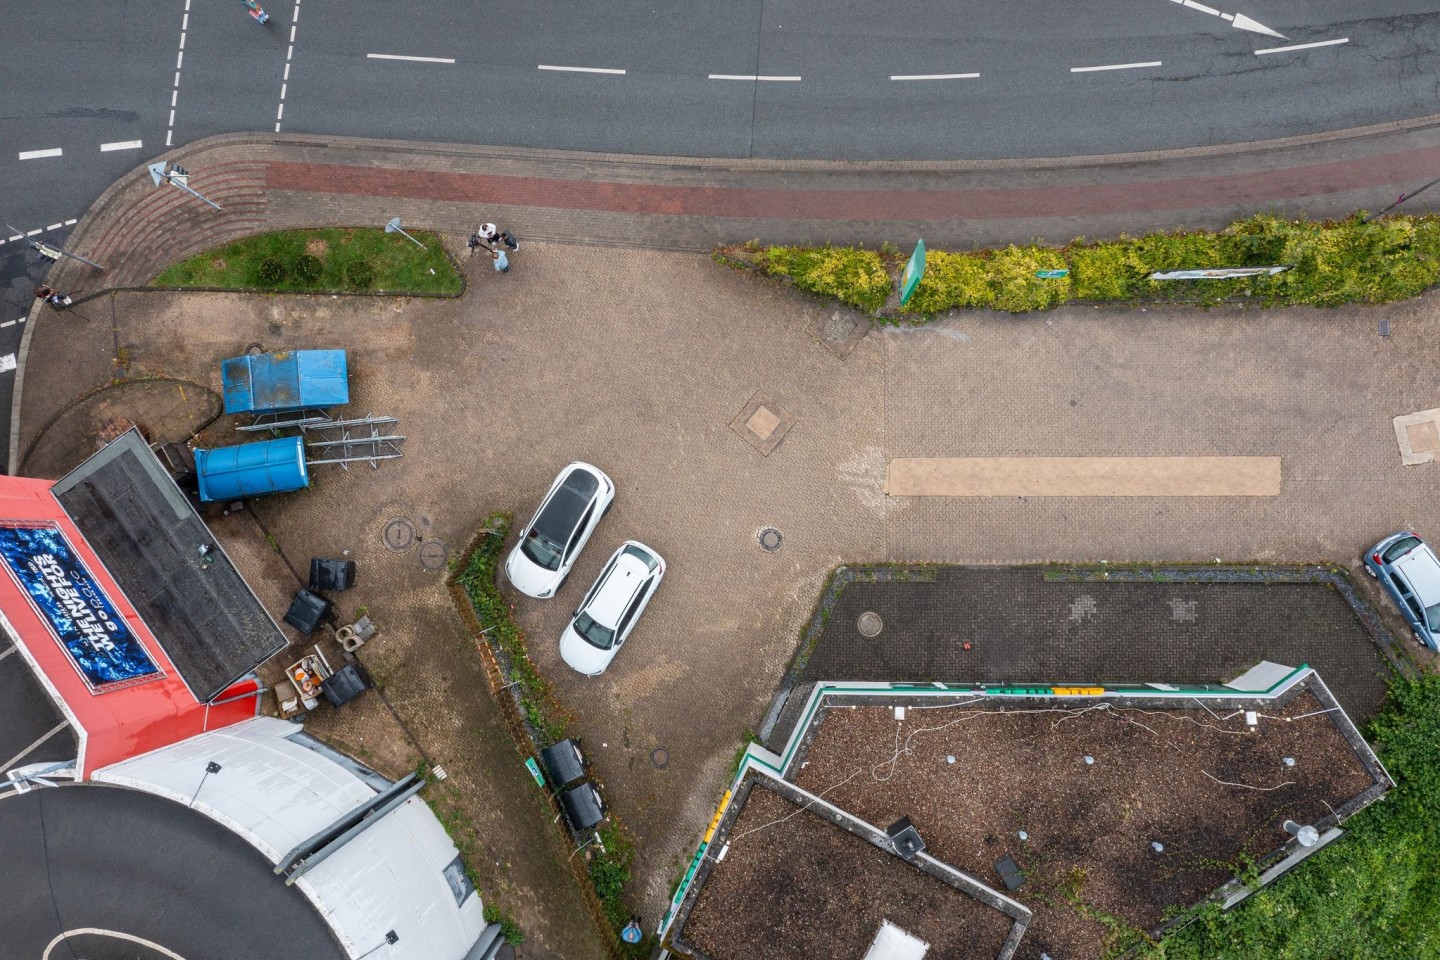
(1083, 477)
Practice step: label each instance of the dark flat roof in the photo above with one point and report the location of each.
(148, 535)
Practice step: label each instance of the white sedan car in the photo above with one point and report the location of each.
(608, 614)
(550, 542)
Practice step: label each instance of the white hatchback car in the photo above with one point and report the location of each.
(551, 541)
(602, 622)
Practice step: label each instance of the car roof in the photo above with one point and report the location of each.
(624, 578)
(1422, 572)
(557, 519)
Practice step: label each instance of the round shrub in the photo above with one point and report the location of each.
(308, 268)
(271, 272)
(359, 273)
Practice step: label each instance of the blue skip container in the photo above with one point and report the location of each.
(252, 469)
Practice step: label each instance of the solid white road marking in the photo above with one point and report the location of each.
(936, 76)
(609, 70)
(98, 932)
(1303, 46)
(1115, 66)
(396, 56)
(7, 363)
(122, 145)
(751, 76)
(38, 154)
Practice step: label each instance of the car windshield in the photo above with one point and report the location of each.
(643, 556)
(597, 635)
(542, 550)
(1400, 547)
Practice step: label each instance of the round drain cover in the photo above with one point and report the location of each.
(870, 624)
(770, 539)
(433, 554)
(399, 534)
(660, 758)
(254, 349)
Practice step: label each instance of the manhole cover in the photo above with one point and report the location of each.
(660, 758)
(770, 539)
(254, 350)
(433, 554)
(870, 624)
(399, 534)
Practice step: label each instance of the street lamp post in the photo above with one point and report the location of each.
(176, 176)
(394, 227)
(390, 938)
(54, 253)
(211, 767)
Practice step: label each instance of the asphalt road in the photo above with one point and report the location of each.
(92, 90)
(125, 865)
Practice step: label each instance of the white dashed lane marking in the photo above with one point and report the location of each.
(289, 58)
(175, 88)
(40, 154)
(401, 56)
(1115, 66)
(936, 76)
(609, 70)
(1303, 46)
(121, 145)
(753, 77)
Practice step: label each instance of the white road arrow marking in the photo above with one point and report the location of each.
(1236, 20)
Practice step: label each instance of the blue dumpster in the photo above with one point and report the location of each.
(286, 381)
(252, 469)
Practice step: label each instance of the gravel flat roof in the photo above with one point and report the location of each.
(795, 886)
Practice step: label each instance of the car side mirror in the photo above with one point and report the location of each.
(574, 613)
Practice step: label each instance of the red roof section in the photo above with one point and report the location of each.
(117, 724)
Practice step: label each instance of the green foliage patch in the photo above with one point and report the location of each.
(1331, 263)
(329, 260)
(496, 616)
(1372, 895)
(858, 277)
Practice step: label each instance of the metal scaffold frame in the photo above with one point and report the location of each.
(367, 439)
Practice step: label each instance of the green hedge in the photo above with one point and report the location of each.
(1373, 895)
(496, 616)
(330, 260)
(1334, 262)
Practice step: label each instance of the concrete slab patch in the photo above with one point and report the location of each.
(1083, 477)
(839, 331)
(1418, 435)
(763, 423)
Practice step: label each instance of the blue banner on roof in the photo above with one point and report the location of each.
(61, 589)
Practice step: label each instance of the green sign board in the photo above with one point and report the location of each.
(1052, 274)
(534, 769)
(914, 270)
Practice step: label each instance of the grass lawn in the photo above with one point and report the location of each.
(329, 260)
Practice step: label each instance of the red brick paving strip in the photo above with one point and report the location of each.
(898, 204)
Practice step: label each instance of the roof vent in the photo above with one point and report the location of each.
(905, 837)
(893, 943)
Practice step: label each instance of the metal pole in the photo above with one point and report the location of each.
(393, 226)
(1401, 199)
(177, 176)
